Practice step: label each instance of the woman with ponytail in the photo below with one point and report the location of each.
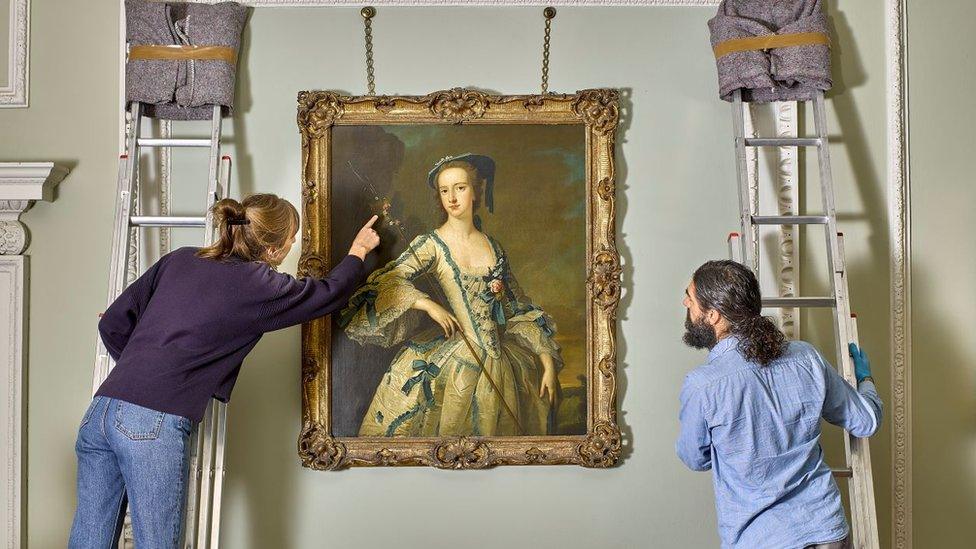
(178, 335)
(752, 415)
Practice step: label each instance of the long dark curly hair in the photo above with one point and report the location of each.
(733, 290)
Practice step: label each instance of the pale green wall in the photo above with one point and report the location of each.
(677, 203)
(941, 80)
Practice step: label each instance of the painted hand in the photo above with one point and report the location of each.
(862, 368)
(366, 240)
(549, 386)
(440, 315)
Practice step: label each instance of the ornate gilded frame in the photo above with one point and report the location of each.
(598, 111)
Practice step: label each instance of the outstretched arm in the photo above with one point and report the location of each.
(301, 300)
(859, 411)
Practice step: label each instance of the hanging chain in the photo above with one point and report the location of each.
(549, 13)
(368, 13)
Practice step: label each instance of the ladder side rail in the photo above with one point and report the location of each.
(212, 174)
(218, 474)
(863, 511)
(121, 236)
(102, 359)
(206, 432)
(861, 485)
(745, 204)
(835, 258)
(222, 190)
(195, 479)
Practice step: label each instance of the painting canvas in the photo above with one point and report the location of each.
(475, 334)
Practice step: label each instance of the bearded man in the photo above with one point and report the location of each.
(752, 414)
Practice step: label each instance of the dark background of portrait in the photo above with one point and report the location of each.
(539, 219)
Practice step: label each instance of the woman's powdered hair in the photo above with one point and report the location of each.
(250, 228)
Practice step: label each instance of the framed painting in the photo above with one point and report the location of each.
(484, 334)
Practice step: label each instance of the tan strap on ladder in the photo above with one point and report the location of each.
(181, 53)
(770, 42)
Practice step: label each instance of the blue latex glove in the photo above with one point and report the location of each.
(862, 368)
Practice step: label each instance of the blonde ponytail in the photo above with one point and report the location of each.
(252, 230)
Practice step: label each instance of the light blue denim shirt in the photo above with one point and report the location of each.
(758, 429)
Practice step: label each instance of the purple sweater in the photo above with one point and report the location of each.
(180, 332)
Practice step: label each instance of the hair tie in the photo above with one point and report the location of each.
(239, 221)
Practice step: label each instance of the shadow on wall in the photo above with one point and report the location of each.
(243, 163)
(869, 274)
(848, 73)
(627, 265)
(943, 412)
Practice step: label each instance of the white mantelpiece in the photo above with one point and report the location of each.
(21, 184)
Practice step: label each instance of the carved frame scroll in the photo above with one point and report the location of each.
(597, 112)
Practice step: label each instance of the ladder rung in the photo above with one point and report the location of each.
(846, 473)
(782, 141)
(789, 302)
(166, 221)
(790, 219)
(155, 142)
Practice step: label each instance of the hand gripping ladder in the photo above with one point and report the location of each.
(202, 522)
(857, 451)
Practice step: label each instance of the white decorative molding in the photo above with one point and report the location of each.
(165, 185)
(22, 183)
(787, 201)
(777, 256)
(13, 92)
(29, 180)
(899, 204)
(13, 319)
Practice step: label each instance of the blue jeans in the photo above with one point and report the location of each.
(131, 455)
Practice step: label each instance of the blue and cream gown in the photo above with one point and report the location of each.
(434, 386)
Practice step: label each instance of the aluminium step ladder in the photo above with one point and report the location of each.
(202, 519)
(745, 249)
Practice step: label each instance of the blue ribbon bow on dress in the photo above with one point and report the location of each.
(426, 372)
(367, 298)
(496, 309)
(543, 324)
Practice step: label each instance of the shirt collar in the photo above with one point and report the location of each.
(722, 347)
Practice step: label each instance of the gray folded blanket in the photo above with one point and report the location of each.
(182, 89)
(780, 74)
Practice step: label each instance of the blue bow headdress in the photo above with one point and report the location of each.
(485, 167)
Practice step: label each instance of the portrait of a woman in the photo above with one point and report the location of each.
(488, 365)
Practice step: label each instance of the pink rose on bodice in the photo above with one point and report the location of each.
(496, 286)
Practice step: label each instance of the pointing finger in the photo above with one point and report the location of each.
(371, 221)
